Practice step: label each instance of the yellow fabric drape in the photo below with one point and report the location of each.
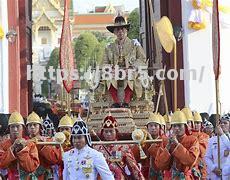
(197, 19)
(1, 32)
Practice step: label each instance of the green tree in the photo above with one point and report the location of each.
(103, 37)
(88, 50)
(54, 59)
(134, 20)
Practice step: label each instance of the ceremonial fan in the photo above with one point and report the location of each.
(165, 33)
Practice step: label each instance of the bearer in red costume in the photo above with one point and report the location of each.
(17, 154)
(194, 124)
(119, 157)
(148, 166)
(181, 151)
(48, 155)
(203, 143)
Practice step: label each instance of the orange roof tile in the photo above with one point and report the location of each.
(94, 19)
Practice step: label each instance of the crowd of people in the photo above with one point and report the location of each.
(191, 148)
(188, 150)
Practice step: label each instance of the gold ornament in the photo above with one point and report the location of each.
(60, 137)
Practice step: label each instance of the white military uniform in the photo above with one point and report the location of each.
(211, 157)
(85, 164)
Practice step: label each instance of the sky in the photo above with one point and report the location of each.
(83, 6)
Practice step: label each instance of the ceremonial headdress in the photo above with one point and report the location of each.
(65, 121)
(118, 22)
(207, 124)
(109, 122)
(153, 117)
(197, 117)
(226, 117)
(47, 126)
(178, 117)
(188, 113)
(16, 118)
(47, 123)
(33, 118)
(81, 128)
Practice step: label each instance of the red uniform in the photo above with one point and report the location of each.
(203, 143)
(48, 156)
(25, 161)
(148, 166)
(126, 161)
(180, 159)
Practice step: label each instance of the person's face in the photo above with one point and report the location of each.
(189, 123)
(225, 125)
(33, 129)
(168, 126)
(79, 141)
(109, 134)
(208, 130)
(7, 136)
(153, 128)
(16, 131)
(120, 32)
(197, 126)
(178, 129)
(65, 128)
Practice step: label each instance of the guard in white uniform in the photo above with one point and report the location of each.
(83, 162)
(211, 156)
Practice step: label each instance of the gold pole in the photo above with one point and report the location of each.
(165, 98)
(162, 89)
(125, 142)
(216, 60)
(217, 118)
(68, 104)
(158, 98)
(175, 81)
(62, 96)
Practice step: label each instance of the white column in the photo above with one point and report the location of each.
(4, 79)
(36, 35)
(225, 73)
(53, 42)
(197, 52)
